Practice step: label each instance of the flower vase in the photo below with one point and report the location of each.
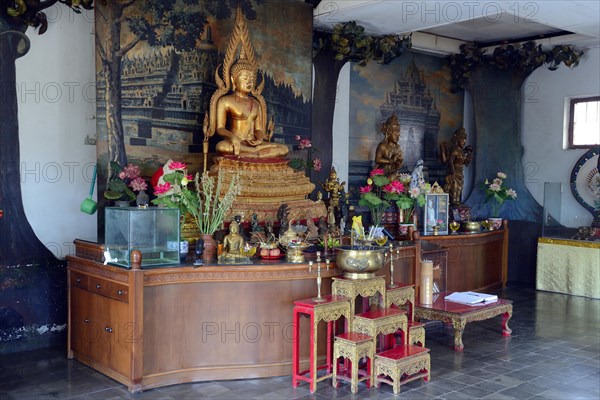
(210, 248)
(142, 199)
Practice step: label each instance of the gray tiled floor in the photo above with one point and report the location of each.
(554, 353)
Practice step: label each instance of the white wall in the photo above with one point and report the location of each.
(545, 160)
(56, 89)
(341, 125)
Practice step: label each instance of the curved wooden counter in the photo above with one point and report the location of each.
(476, 261)
(157, 327)
(148, 328)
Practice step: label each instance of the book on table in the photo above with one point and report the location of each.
(471, 298)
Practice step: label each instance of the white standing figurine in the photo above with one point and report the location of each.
(417, 179)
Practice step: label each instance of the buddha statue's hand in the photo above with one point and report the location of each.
(253, 142)
(236, 145)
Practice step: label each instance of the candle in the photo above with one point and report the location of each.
(426, 288)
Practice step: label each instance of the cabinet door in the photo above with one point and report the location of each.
(80, 321)
(100, 338)
(122, 335)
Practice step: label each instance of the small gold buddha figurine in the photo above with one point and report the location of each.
(333, 187)
(456, 158)
(388, 155)
(233, 244)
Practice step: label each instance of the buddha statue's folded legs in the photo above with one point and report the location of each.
(263, 150)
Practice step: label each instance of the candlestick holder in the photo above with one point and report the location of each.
(392, 284)
(319, 298)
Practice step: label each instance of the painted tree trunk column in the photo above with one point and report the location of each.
(18, 242)
(327, 71)
(497, 100)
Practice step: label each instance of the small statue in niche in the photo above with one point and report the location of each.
(388, 155)
(312, 231)
(333, 187)
(241, 230)
(269, 231)
(283, 213)
(322, 227)
(233, 243)
(256, 228)
(456, 157)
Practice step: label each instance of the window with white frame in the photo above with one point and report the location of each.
(584, 122)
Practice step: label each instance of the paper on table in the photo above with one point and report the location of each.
(471, 298)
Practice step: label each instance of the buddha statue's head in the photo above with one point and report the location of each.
(234, 227)
(243, 75)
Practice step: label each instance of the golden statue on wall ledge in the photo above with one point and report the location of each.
(388, 155)
(456, 157)
(238, 114)
(238, 111)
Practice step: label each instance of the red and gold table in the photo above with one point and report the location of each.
(330, 309)
(460, 314)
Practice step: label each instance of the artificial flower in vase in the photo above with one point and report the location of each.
(378, 194)
(497, 194)
(171, 190)
(123, 182)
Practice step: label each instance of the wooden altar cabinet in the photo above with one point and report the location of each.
(148, 328)
(476, 261)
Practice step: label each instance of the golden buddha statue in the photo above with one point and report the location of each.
(388, 155)
(240, 118)
(233, 244)
(238, 114)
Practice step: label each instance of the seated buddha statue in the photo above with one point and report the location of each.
(237, 114)
(240, 118)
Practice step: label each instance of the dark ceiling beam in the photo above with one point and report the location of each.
(314, 3)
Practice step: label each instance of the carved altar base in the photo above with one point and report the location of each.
(266, 184)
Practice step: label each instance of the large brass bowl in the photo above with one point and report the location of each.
(359, 264)
(472, 226)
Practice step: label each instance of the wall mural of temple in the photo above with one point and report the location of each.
(415, 87)
(165, 90)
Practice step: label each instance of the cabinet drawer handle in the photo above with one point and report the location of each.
(87, 320)
(98, 286)
(120, 292)
(108, 329)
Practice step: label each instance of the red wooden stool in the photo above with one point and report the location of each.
(330, 309)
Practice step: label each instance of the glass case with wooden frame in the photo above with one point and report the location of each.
(435, 214)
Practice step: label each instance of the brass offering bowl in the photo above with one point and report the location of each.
(295, 252)
(359, 263)
(471, 226)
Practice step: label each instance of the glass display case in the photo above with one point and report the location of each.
(556, 223)
(154, 231)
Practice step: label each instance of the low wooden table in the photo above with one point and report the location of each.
(460, 314)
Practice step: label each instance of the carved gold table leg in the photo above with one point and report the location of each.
(459, 328)
(506, 331)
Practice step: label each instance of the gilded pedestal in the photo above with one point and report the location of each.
(266, 184)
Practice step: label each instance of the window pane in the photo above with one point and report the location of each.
(586, 123)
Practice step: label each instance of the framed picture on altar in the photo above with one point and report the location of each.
(435, 214)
